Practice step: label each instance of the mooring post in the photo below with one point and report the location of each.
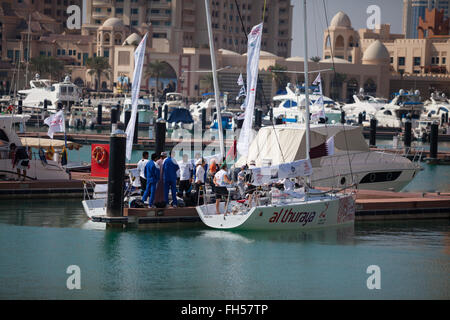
(203, 119)
(160, 136)
(45, 105)
(434, 141)
(407, 134)
(114, 116)
(116, 173)
(373, 132)
(19, 108)
(136, 128)
(127, 118)
(271, 113)
(343, 117)
(166, 112)
(99, 114)
(360, 118)
(159, 112)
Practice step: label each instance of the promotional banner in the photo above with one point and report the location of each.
(55, 123)
(139, 56)
(254, 47)
(265, 175)
(321, 112)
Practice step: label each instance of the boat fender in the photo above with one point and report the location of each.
(99, 155)
(50, 152)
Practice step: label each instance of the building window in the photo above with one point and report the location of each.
(443, 60)
(106, 53)
(401, 61)
(392, 59)
(119, 10)
(417, 61)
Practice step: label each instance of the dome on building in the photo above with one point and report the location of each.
(133, 38)
(113, 22)
(376, 52)
(341, 20)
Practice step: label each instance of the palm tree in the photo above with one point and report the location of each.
(315, 59)
(281, 78)
(208, 79)
(156, 69)
(98, 66)
(47, 66)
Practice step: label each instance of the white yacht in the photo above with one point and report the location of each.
(437, 107)
(173, 100)
(208, 103)
(288, 109)
(39, 169)
(144, 110)
(364, 104)
(349, 161)
(393, 114)
(66, 93)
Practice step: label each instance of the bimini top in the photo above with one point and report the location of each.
(180, 115)
(287, 143)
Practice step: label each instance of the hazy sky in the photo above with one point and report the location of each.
(391, 13)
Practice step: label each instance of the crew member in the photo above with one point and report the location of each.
(170, 168)
(152, 175)
(141, 169)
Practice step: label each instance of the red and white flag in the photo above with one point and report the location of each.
(55, 123)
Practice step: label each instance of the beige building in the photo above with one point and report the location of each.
(179, 24)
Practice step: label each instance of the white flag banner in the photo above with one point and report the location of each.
(266, 175)
(240, 81)
(319, 102)
(330, 146)
(253, 50)
(241, 93)
(139, 56)
(55, 123)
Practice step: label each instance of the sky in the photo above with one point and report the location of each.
(391, 13)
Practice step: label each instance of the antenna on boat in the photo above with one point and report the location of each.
(215, 79)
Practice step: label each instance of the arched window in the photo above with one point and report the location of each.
(339, 43)
(352, 88)
(118, 39)
(370, 87)
(106, 38)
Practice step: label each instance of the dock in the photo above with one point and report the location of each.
(370, 206)
(143, 143)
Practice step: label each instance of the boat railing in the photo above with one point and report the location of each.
(363, 157)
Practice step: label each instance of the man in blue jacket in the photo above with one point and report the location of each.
(170, 168)
(152, 176)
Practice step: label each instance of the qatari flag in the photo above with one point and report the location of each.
(322, 150)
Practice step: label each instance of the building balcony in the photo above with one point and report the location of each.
(188, 6)
(102, 3)
(100, 15)
(161, 5)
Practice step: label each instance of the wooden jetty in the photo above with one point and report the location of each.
(370, 205)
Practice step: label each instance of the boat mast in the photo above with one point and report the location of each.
(28, 50)
(215, 79)
(305, 44)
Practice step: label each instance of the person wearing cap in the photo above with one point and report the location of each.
(199, 176)
(152, 174)
(170, 168)
(221, 180)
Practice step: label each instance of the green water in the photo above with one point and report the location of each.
(41, 238)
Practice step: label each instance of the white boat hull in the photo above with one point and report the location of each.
(325, 212)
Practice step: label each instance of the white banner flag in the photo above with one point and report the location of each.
(266, 175)
(55, 123)
(253, 50)
(139, 56)
(319, 102)
(240, 81)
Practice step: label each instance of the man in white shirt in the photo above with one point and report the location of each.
(141, 168)
(199, 179)
(221, 181)
(186, 170)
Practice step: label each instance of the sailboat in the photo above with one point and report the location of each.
(296, 209)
